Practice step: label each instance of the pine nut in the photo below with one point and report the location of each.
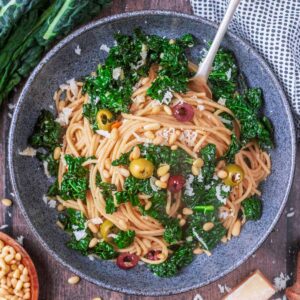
(168, 110)
(136, 153)
(179, 216)
(236, 229)
(222, 174)
(165, 178)
(182, 222)
(155, 109)
(19, 285)
(195, 171)
(174, 147)
(6, 202)
(114, 134)
(27, 295)
(8, 282)
(25, 271)
(178, 132)
(73, 280)
(14, 282)
(107, 163)
(93, 243)
(163, 170)
(198, 251)
(152, 126)
(21, 267)
(106, 174)
(158, 140)
(148, 205)
(56, 153)
(208, 226)
(16, 274)
(97, 298)
(124, 172)
(24, 278)
(93, 228)
(26, 285)
(149, 135)
(60, 225)
(60, 207)
(198, 163)
(172, 139)
(224, 239)
(187, 211)
(1, 244)
(18, 256)
(162, 185)
(13, 267)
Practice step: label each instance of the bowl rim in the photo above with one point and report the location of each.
(128, 15)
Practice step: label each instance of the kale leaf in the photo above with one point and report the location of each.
(105, 251)
(81, 245)
(123, 160)
(233, 149)
(173, 231)
(208, 154)
(124, 238)
(178, 260)
(52, 164)
(106, 190)
(47, 132)
(252, 208)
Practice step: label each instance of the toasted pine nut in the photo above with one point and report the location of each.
(187, 211)
(208, 226)
(149, 135)
(182, 222)
(25, 271)
(198, 251)
(107, 163)
(16, 274)
(158, 140)
(19, 285)
(60, 207)
(195, 171)
(97, 298)
(14, 282)
(168, 110)
(27, 295)
(56, 153)
(26, 285)
(162, 185)
(198, 163)
(178, 132)
(93, 228)
(106, 174)
(179, 216)
(24, 278)
(1, 244)
(165, 178)
(155, 109)
(73, 280)
(174, 147)
(163, 170)
(60, 225)
(224, 239)
(21, 267)
(93, 243)
(6, 202)
(124, 172)
(13, 267)
(222, 174)
(236, 229)
(152, 126)
(18, 256)
(136, 153)
(148, 205)
(114, 134)
(172, 139)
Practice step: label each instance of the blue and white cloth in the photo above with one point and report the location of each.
(272, 27)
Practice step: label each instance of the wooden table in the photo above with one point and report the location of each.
(276, 255)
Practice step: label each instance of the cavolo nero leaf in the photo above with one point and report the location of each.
(124, 238)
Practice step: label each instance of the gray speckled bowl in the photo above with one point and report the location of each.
(29, 182)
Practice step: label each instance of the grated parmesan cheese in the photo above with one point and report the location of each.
(64, 115)
(46, 171)
(11, 106)
(80, 234)
(188, 186)
(225, 121)
(189, 137)
(104, 133)
(167, 98)
(219, 189)
(73, 86)
(222, 101)
(154, 187)
(77, 50)
(200, 177)
(200, 107)
(116, 73)
(20, 239)
(104, 48)
(280, 282)
(45, 199)
(224, 288)
(112, 235)
(96, 221)
(228, 74)
(52, 203)
(3, 226)
(91, 257)
(290, 215)
(29, 151)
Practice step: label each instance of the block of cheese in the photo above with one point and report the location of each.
(254, 287)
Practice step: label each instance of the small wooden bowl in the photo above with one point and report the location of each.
(26, 261)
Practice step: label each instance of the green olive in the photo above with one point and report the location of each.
(141, 168)
(235, 175)
(104, 119)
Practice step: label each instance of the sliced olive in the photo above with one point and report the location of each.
(235, 175)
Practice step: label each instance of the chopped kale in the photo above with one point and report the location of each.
(125, 196)
(208, 154)
(252, 208)
(234, 148)
(105, 251)
(107, 192)
(178, 260)
(53, 190)
(81, 245)
(124, 238)
(123, 160)
(173, 232)
(52, 164)
(47, 132)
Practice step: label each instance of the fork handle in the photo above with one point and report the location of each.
(205, 66)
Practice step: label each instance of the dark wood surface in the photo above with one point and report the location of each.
(276, 255)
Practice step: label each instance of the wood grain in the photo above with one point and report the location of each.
(276, 254)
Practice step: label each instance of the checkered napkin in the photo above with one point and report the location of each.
(272, 27)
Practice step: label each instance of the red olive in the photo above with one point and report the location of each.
(183, 112)
(127, 261)
(153, 254)
(176, 183)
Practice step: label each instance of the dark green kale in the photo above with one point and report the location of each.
(125, 196)
(173, 231)
(234, 148)
(252, 208)
(52, 164)
(124, 238)
(105, 251)
(75, 181)
(208, 154)
(178, 260)
(246, 108)
(47, 132)
(106, 190)
(81, 245)
(53, 189)
(223, 77)
(123, 160)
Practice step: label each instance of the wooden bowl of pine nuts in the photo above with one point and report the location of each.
(18, 276)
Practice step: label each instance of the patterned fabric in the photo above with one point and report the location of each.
(272, 27)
